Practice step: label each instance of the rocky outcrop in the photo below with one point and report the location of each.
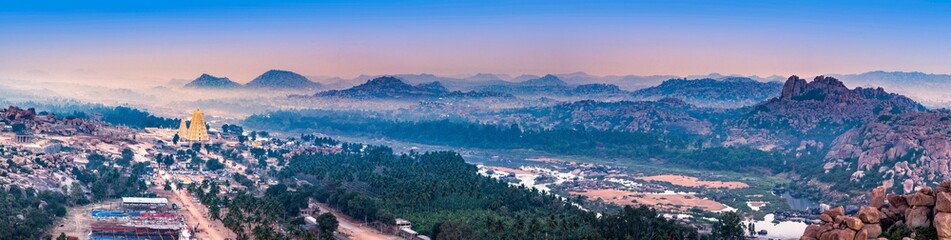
(793, 87)
(913, 147)
(16, 114)
(923, 208)
(826, 103)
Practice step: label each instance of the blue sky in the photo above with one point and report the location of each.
(240, 39)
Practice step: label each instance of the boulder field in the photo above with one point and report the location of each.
(923, 208)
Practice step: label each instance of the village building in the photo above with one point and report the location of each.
(148, 203)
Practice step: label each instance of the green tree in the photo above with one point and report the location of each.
(175, 139)
(76, 192)
(214, 211)
(18, 127)
(62, 236)
(127, 156)
(100, 189)
(729, 227)
(196, 162)
(385, 216)
(213, 165)
(327, 224)
(452, 230)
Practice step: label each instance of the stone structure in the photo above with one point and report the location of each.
(24, 138)
(923, 208)
(183, 130)
(194, 131)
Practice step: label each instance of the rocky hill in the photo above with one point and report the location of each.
(667, 115)
(551, 85)
(436, 87)
(388, 87)
(547, 80)
(212, 82)
(726, 93)
(474, 82)
(597, 88)
(280, 79)
(826, 102)
(896, 149)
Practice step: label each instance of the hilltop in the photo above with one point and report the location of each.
(827, 101)
(664, 115)
(209, 81)
(728, 92)
(547, 80)
(280, 79)
(389, 87)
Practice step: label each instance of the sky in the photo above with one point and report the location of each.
(148, 42)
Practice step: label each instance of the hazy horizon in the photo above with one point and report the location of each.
(157, 42)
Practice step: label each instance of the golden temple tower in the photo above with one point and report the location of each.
(197, 130)
(183, 130)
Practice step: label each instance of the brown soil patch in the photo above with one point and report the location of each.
(693, 182)
(678, 202)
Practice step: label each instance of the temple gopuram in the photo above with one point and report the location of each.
(196, 131)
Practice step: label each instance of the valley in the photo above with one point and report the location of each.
(682, 193)
(777, 164)
(475, 120)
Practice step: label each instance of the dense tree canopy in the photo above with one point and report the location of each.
(438, 191)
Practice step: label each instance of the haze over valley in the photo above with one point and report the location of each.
(471, 120)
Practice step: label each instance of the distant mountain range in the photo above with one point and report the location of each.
(479, 80)
(844, 131)
(929, 89)
(729, 92)
(389, 87)
(551, 85)
(272, 79)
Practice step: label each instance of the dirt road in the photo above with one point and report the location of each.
(207, 229)
(355, 229)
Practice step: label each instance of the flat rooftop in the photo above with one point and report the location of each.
(139, 200)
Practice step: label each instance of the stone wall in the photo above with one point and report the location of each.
(924, 208)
